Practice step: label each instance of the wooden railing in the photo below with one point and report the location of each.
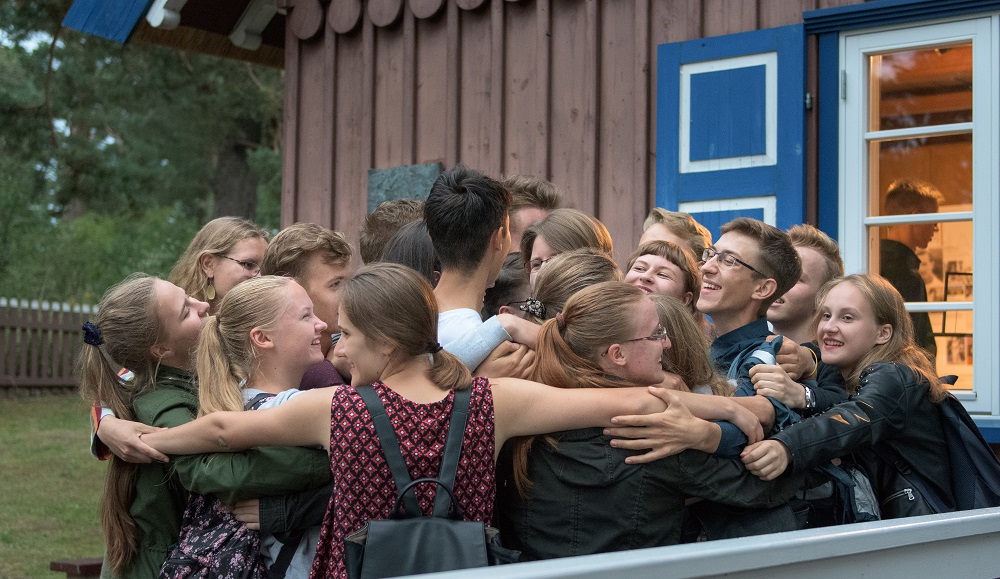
(38, 345)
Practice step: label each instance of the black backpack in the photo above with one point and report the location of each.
(975, 470)
(409, 543)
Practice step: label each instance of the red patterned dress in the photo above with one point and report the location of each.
(363, 488)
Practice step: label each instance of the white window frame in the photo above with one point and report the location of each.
(854, 179)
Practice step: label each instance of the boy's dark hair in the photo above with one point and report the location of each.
(778, 257)
(412, 247)
(380, 225)
(462, 211)
(510, 286)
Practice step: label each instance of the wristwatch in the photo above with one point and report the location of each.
(810, 398)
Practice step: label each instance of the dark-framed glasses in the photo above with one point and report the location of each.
(727, 259)
(250, 266)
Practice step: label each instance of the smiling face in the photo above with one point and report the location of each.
(847, 328)
(638, 360)
(799, 303)
(226, 273)
(541, 253)
(657, 275)
(323, 280)
(182, 318)
(366, 357)
(296, 333)
(731, 295)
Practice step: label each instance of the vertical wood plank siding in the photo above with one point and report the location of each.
(38, 346)
(565, 89)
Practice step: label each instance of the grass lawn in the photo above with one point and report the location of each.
(50, 486)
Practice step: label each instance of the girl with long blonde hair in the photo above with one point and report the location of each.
(151, 327)
(578, 492)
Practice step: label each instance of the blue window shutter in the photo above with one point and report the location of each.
(731, 126)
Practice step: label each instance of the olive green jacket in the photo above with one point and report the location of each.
(161, 489)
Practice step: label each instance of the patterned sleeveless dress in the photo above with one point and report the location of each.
(363, 488)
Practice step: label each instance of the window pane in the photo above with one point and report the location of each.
(918, 88)
(944, 163)
(955, 350)
(929, 262)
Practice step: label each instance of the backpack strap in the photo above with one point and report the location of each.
(394, 457)
(390, 446)
(452, 450)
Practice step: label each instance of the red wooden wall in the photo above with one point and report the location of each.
(564, 89)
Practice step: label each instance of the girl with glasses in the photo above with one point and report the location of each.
(225, 252)
(573, 493)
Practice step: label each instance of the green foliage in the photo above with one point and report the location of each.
(78, 259)
(108, 152)
(52, 486)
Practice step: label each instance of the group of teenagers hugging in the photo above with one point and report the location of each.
(698, 395)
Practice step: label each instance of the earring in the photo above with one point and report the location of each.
(210, 291)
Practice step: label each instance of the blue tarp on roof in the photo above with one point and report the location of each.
(111, 19)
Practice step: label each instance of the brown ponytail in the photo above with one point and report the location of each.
(570, 346)
(128, 326)
(411, 321)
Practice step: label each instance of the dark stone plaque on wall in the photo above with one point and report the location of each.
(406, 182)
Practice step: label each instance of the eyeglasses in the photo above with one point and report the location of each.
(728, 259)
(536, 264)
(250, 266)
(658, 335)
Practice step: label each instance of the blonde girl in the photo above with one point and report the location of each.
(225, 252)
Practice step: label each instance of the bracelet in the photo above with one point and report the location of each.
(815, 364)
(810, 398)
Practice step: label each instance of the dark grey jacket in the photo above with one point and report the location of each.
(587, 500)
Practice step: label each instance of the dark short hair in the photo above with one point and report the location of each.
(510, 286)
(903, 195)
(412, 247)
(462, 211)
(778, 257)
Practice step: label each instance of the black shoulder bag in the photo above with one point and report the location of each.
(409, 543)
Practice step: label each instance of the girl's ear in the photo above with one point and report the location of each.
(260, 339)
(207, 264)
(884, 334)
(386, 348)
(616, 355)
(687, 298)
(160, 351)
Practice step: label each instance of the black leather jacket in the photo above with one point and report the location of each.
(586, 500)
(891, 409)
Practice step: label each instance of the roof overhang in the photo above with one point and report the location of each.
(249, 30)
